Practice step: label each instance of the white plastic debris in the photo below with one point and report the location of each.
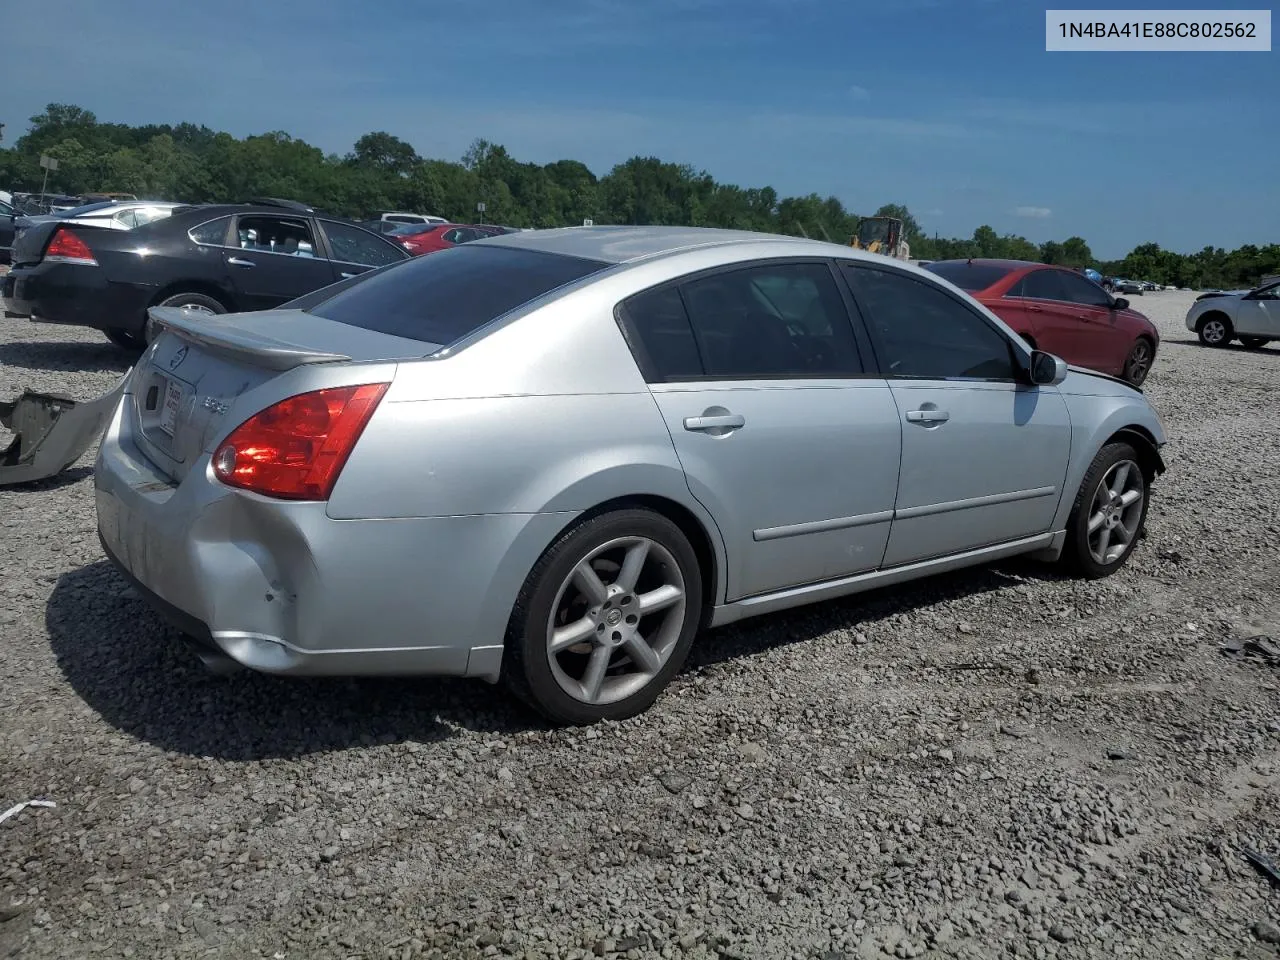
(18, 808)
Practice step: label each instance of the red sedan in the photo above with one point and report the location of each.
(1062, 312)
(420, 238)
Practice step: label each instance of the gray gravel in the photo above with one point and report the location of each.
(996, 763)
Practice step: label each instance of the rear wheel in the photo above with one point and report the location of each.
(1108, 515)
(1138, 364)
(1215, 330)
(1254, 343)
(605, 619)
(195, 302)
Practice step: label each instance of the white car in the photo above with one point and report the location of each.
(1253, 318)
(398, 217)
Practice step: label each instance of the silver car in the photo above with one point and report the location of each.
(552, 457)
(1250, 316)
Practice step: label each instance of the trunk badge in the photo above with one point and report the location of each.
(215, 405)
(178, 357)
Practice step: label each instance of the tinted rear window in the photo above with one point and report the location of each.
(968, 276)
(442, 297)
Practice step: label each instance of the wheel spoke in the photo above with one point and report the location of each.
(1130, 497)
(644, 656)
(593, 677)
(572, 633)
(1104, 543)
(632, 564)
(1122, 534)
(1121, 478)
(660, 598)
(589, 582)
(1097, 520)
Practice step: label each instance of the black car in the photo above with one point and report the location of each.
(215, 258)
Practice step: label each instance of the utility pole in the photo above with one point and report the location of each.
(49, 163)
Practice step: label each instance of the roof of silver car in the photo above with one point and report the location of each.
(622, 244)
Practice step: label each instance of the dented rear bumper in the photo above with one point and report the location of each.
(51, 432)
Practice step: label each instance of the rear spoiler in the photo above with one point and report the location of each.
(51, 432)
(209, 333)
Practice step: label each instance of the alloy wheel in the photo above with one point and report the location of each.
(1139, 362)
(1215, 332)
(1116, 511)
(616, 620)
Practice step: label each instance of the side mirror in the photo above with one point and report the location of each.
(1047, 370)
(1120, 303)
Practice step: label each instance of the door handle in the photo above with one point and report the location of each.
(237, 262)
(928, 416)
(348, 276)
(1032, 308)
(731, 421)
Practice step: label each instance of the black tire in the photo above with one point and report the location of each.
(197, 301)
(1207, 331)
(1077, 555)
(1254, 343)
(125, 340)
(527, 662)
(1137, 366)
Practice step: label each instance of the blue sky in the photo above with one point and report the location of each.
(949, 106)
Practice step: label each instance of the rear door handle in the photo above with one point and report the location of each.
(1034, 309)
(237, 262)
(730, 421)
(928, 416)
(348, 276)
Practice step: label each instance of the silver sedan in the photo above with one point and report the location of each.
(553, 457)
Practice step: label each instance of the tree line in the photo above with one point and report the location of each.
(195, 164)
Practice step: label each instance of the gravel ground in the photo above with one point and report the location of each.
(996, 763)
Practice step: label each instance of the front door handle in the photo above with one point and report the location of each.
(1034, 309)
(928, 416)
(237, 262)
(348, 276)
(728, 421)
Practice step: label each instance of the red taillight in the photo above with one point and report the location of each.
(296, 448)
(69, 248)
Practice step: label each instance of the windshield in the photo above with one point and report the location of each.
(444, 297)
(870, 231)
(968, 275)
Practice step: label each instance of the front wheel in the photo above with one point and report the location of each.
(1215, 331)
(1254, 343)
(1138, 363)
(605, 619)
(1108, 515)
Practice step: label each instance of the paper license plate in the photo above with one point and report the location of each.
(172, 403)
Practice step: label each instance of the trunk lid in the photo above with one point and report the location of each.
(185, 391)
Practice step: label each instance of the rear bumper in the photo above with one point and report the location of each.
(74, 294)
(281, 588)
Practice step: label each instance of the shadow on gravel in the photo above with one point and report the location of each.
(1273, 347)
(59, 480)
(132, 668)
(850, 613)
(72, 357)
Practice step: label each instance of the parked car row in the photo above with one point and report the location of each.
(1060, 310)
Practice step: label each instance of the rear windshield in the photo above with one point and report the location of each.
(442, 297)
(968, 276)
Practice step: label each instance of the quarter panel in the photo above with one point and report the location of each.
(521, 454)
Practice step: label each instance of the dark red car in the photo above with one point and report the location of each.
(1062, 312)
(420, 238)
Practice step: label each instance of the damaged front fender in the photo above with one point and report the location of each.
(51, 432)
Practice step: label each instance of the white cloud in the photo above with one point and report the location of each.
(1035, 213)
(859, 93)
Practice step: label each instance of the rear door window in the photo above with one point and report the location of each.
(449, 295)
(1039, 285)
(290, 236)
(353, 245)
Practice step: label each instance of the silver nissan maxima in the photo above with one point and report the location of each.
(552, 457)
